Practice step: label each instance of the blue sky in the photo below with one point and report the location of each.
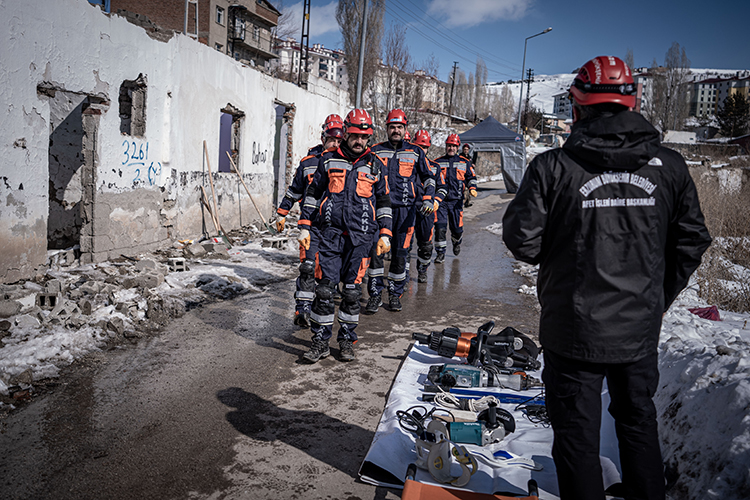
(713, 34)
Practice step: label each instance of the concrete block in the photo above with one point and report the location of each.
(75, 322)
(27, 321)
(90, 287)
(215, 247)
(64, 310)
(86, 306)
(195, 250)
(53, 286)
(177, 264)
(274, 242)
(47, 301)
(130, 282)
(146, 264)
(9, 308)
(116, 325)
(150, 280)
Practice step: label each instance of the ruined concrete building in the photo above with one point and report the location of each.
(104, 132)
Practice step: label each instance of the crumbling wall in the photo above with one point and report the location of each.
(137, 186)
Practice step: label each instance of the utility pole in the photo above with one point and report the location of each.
(529, 79)
(304, 45)
(453, 83)
(362, 45)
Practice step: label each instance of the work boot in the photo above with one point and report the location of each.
(302, 319)
(422, 276)
(456, 248)
(346, 350)
(318, 350)
(373, 303)
(394, 303)
(440, 258)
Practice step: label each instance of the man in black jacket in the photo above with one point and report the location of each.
(614, 222)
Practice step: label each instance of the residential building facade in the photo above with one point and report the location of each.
(708, 94)
(238, 28)
(321, 62)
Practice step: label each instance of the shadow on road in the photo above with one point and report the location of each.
(327, 439)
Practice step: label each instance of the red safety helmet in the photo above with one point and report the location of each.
(407, 136)
(453, 139)
(604, 79)
(333, 119)
(422, 138)
(397, 116)
(358, 121)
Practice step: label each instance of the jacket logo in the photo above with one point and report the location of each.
(617, 178)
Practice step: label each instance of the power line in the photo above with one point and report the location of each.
(438, 43)
(488, 55)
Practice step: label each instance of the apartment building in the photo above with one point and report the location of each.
(562, 107)
(321, 62)
(238, 28)
(708, 94)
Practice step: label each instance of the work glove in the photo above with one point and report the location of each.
(427, 208)
(384, 245)
(280, 224)
(304, 239)
(473, 192)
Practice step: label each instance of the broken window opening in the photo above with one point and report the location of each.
(133, 107)
(230, 129)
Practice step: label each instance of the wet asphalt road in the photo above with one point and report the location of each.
(218, 405)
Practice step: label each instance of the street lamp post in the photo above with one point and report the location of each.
(523, 68)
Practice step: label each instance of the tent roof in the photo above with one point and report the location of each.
(489, 130)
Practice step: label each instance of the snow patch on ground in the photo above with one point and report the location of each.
(44, 349)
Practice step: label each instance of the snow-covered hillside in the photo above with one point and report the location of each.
(545, 87)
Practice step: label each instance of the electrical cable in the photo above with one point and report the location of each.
(413, 421)
(535, 413)
(449, 400)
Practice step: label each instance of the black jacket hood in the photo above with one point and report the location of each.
(624, 140)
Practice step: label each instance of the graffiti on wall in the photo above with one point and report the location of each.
(258, 155)
(135, 157)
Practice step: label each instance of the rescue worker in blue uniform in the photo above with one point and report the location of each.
(305, 285)
(407, 170)
(457, 174)
(425, 227)
(350, 187)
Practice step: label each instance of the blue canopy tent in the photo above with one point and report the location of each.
(497, 148)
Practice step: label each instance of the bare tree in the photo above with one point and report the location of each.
(349, 18)
(431, 66)
(669, 102)
(480, 91)
(630, 59)
(285, 27)
(397, 62)
(502, 105)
